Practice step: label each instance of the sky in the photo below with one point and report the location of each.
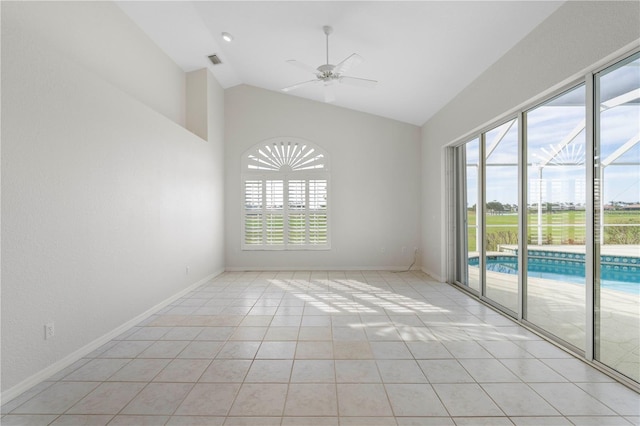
(563, 178)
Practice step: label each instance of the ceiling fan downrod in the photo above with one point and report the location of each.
(327, 30)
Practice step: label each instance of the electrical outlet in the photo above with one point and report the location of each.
(404, 250)
(187, 270)
(49, 331)
(382, 250)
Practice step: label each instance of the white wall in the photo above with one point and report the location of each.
(105, 200)
(375, 180)
(98, 35)
(572, 40)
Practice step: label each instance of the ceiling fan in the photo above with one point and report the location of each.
(328, 75)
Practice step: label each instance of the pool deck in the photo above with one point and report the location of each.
(559, 308)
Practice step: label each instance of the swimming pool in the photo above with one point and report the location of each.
(621, 277)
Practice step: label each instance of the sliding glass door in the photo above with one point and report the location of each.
(617, 227)
(556, 212)
(547, 216)
(501, 214)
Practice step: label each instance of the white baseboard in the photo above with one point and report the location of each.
(432, 275)
(54, 368)
(316, 268)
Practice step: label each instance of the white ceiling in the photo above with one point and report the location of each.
(422, 53)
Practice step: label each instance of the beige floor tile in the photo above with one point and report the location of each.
(313, 371)
(82, 419)
(315, 333)
(352, 350)
(248, 333)
(428, 350)
(367, 421)
(445, 371)
(390, 350)
(140, 370)
(57, 398)
(126, 349)
(276, 350)
(253, 421)
(518, 399)
(414, 400)
(466, 399)
(164, 349)
(256, 399)
(195, 421)
(400, 371)
(365, 400)
(311, 400)
(314, 350)
(357, 371)
(127, 420)
(214, 333)
(269, 371)
(310, 421)
(226, 371)
(209, 399)
(28, 419)
(96, 370)
(158, 399)
(183, 370)
(239, 350)
(201, 350)
(108, 398)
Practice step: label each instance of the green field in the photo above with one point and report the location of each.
(559, 228)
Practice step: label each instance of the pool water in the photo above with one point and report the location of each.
(626, 279)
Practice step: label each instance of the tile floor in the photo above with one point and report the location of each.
(326, 348)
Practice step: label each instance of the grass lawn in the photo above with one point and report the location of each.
(567, 227)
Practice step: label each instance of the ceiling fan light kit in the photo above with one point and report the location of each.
(328, 74)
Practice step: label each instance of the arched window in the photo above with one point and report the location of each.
(285, 184)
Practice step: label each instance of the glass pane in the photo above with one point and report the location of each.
(472, 155)
(617, 228)
(556, 227)
(501, 214)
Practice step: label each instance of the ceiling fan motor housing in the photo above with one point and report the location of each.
(325, 72)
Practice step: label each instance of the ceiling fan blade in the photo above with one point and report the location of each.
(299, 85)
(350, 62)
(355, 81)
(329, 93)
(303, 66)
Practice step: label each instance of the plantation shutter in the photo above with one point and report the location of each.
(253, 212)
(297, 218)
(285, 199)
(317, 212)
(274, 232)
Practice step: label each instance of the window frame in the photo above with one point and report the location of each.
(286, 174)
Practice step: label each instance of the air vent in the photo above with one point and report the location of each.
(215, 60)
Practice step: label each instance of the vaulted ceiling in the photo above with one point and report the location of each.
(422, 53)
